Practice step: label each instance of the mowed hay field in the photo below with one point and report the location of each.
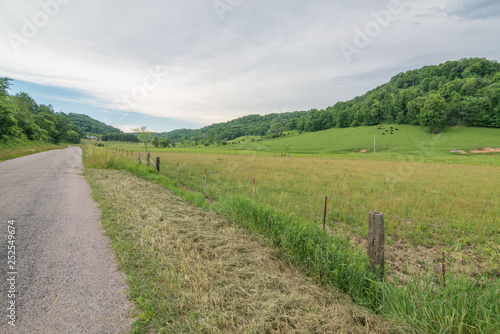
(192, 271)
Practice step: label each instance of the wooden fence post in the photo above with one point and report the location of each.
(253, 189)
(177, 174)
(140, 158)
(158, 164)
(205, 186)
(376, 242)
(148, 158)
(324, 215)
(443, 269)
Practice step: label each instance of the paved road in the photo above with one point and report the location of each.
(66, 279)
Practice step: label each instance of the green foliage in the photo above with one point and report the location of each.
(91, 126)
(252, 125)
(164, 142)
(22, 118)
(120, 136)
(433, 112)
(468, 90)
(72, 137)
(156, 141)
(144, 136)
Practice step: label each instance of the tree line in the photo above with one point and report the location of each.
(21, 117)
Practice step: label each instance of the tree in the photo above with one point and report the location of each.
(73, 137)
(433, 112)
(275, 130)
(156, 141)
(144, 135)
(164, 141)
(8, 123)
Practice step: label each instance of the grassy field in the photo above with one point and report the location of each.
(454, 196)
(407, 140)
(17, 148)
(422, 301)
(408, 143)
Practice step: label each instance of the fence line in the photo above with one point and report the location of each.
(331, 200)
(376, 225)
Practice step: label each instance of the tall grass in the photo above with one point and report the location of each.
(458, 197)
(461, 306)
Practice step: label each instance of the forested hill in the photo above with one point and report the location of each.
(90, 125)
(24, 119)
(254, 125)
(465, 91)
(457, 92)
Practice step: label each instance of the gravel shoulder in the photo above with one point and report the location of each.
(67, 279)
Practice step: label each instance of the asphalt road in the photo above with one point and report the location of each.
(64, 278)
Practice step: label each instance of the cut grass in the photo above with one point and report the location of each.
(192, 271)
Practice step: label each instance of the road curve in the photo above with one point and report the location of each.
(66, 279)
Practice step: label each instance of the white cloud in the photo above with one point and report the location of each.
(264, 56)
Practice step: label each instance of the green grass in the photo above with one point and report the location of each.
(463, 305)
(16, 148)
(409, 142)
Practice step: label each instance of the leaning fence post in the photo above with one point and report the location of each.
(140, 158)
(376, 242)
(158, 164)
(149, 158)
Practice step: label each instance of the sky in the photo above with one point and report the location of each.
(186, 64)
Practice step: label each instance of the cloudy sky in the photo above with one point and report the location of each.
(188, 63)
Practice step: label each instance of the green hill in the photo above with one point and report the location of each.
(407, 140)
(90, 125)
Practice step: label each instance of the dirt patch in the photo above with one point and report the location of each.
(203, 274)
(486, 150)
(406, 259)
(363, 151)
(458, 151)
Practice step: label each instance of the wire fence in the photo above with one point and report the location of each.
(336, 213)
